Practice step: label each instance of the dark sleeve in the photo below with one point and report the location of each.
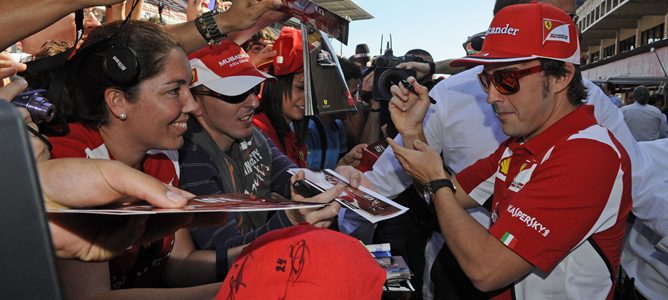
(198, 172)
(280, 163)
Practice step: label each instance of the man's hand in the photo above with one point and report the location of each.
(245, 13)
(353, 157)
(319, 217)
(421, 68)
(78, 182)
(423, 163)
(408, 109)
(194, 9)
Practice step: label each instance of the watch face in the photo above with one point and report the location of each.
(426, 194)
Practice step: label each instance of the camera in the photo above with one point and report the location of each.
(386, 74)
(37, 105)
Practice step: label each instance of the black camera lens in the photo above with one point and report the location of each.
(385, 78)
(37, 105)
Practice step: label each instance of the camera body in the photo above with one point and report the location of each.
(386, 74)
(40, 109)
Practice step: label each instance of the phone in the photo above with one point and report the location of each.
(305, 189)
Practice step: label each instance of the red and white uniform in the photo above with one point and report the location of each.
(560, 202)
(140, 265)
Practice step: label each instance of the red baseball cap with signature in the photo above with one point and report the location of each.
(304, 262)
(527, 31)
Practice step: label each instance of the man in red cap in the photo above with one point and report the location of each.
(558, 215)
(224, 153)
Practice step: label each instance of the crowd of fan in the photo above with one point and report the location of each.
(186, 121)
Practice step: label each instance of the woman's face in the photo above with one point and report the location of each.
(293, 106)
(158, 118)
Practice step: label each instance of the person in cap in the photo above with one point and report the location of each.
(224, 153)
(304, 262)
(558, 212)
(281, 112)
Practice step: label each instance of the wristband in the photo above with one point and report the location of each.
(207, 27)
(432, 68)
(374, 110)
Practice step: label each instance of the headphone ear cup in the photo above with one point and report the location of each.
(121, 65)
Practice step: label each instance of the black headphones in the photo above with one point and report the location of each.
(120, 63)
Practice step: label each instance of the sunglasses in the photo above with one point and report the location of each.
(229, 99)
(507, 82)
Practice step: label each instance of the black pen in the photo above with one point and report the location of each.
(411, 89)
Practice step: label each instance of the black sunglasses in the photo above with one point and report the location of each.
(229, 99)
(507, 82)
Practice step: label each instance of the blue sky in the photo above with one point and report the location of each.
(439, 27)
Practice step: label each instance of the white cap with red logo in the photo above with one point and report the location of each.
(226, 69)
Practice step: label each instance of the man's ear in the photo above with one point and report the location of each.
(560, 83)
(115, 100)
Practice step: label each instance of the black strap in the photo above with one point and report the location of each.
(323, 141)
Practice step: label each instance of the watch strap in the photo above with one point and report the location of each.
(435, 185)
(207, 27)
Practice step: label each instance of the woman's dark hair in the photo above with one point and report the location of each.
(576, 89)
(84, 91)
(271, 104)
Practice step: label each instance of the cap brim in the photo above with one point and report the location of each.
(230, 85)
(484, 58)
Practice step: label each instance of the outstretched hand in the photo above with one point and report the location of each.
(421, 68)
(78, 182)
(244, 14)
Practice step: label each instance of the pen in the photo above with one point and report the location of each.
(410, 88)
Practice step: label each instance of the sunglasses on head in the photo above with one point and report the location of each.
(229, 99)
(506, 81)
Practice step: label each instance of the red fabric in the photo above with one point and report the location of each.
(549, 205)
(296, 153)
(542, 31)
(289, 57)
(304, 262)
(141, 265)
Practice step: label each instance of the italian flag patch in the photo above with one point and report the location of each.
(509, 240)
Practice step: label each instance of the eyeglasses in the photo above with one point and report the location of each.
(507, 82)
(229, 99)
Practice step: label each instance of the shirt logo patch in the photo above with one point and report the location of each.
(504, 166)
(522, 177)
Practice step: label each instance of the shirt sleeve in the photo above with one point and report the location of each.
(562, 204)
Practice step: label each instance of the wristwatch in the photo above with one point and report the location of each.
(430, 188)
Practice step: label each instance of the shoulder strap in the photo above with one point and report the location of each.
(323, 141)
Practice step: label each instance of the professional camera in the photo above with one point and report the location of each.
(37, 105)
(386, 74)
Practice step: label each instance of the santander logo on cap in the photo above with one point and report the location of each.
(502, 30)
